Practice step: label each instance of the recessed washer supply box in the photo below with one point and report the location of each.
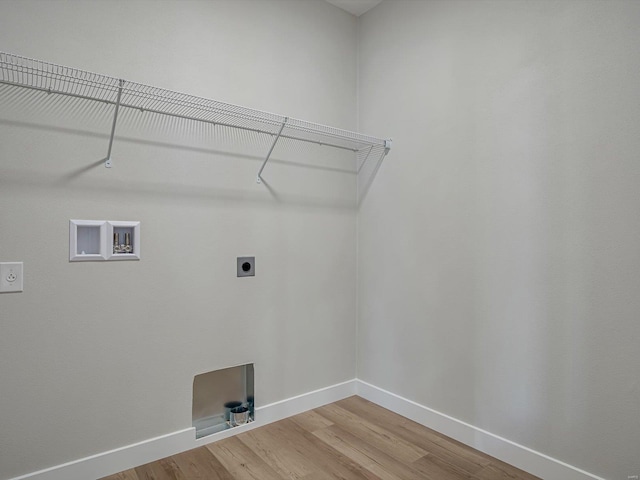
(100, 240)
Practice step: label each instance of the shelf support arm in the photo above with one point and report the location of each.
(275, 140)
(107, 162)
(365, 159)
(387, 147)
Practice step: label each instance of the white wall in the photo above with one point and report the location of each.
(94, 356)
(498, 261)
(498, 245)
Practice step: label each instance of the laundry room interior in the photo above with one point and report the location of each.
(219, 214)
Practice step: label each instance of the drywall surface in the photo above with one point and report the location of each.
(499, 266)
(94, 356)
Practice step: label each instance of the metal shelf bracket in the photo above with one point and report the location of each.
(107, 162)
(275, 140)
(385, 151)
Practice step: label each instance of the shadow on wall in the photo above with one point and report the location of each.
(166, 192)
(369, 162)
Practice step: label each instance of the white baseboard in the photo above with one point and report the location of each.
(519, 456)
(124, 458)
(107, 463)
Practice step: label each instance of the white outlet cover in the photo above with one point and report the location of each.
(11, 277)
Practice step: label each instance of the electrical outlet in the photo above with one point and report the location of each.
(246, 266)
(11, 277)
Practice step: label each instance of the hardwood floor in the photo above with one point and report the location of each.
(349, 439)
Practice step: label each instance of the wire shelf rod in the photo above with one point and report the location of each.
(185, 117)
(50, 91)
(347, 137)
(51, 78)
(166, 97)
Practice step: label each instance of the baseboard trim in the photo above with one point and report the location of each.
(124, 458)
(107, 463)
(529, 460)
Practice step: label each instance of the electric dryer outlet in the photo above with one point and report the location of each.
(246, 266)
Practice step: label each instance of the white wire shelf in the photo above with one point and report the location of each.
(56, 79)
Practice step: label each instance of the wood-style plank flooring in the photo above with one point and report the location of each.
(350, 439)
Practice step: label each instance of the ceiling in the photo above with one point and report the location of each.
(355, 7)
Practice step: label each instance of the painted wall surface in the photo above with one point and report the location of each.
(499, 261)
(95, 356)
